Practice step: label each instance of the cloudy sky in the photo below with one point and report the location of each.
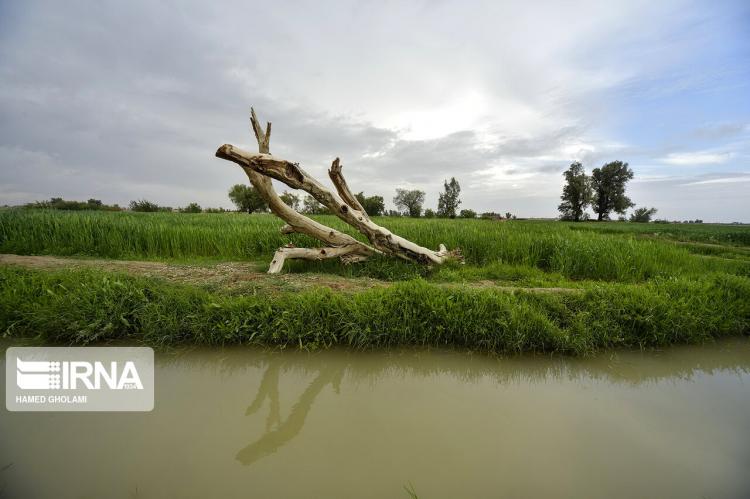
(127, 100)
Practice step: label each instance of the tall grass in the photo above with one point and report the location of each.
(731, 234)
(83, 307)
(549, 246)
(138, 235)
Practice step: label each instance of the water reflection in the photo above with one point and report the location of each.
(284, 431)
(239, 422)
(370, 368)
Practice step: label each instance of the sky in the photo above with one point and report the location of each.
(130, 100)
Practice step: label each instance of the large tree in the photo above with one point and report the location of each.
(410, 201)
(608, 184)
(246, 198)
(448, 201)
(373, 205)
(576, 194)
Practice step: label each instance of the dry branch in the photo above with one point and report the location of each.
(261, 167)
(338, 181)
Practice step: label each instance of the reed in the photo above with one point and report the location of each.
(575, 251)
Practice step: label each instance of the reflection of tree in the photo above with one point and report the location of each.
(288, 429)
(269, 388)
(630, 368)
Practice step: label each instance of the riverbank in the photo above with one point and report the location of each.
(86, 306)
(169, 279)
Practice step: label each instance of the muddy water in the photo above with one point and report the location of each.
(245, 423)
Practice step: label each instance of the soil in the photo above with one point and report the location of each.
(239, 277)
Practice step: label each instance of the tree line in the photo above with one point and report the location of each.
(409, 202)
(141, 205)
(603, 191)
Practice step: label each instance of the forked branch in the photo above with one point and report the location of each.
(261, 167)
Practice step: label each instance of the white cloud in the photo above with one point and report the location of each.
(721, 180)
(696, 158)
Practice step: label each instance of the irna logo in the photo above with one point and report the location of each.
(79, 379)
(72, 375)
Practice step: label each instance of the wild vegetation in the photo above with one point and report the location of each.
(81, 307)
(610, 284)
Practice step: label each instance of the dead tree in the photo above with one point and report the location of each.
(261, 167)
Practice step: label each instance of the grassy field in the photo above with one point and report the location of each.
(635, 285)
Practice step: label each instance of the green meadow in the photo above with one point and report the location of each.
(543, 286)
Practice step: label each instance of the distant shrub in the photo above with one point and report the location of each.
(192, 208)
(642, 214)
(467, 214)
(62, 204)
(148, 206)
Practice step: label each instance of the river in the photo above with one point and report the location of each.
(242, 422)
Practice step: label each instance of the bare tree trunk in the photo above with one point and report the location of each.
(261, 167)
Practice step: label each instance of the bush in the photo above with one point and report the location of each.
(642, 215)
(490, 215)
(147, 206)
(61, 204)
(191, 208)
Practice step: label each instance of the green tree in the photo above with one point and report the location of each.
(448, 201)
(642, 214)
(246, 198)
(608, 184)
(290, 199)
(373, 205)
(311, 206)
(192, 208)
(468, 214)
(410, 201)
(576, 193)
(429, 213)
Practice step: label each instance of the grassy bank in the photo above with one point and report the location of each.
(591, 251)
(86, 306)
(615, 284)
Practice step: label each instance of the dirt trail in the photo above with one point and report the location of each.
(233, 276)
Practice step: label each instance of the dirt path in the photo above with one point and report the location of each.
(233, 276)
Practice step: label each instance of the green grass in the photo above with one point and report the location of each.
(583, 251)
(639, 285)
(729, 234)
(83, 307)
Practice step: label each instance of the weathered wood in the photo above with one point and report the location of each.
(348, 254)
(261, 167)
(338, 181)
(296, 222)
